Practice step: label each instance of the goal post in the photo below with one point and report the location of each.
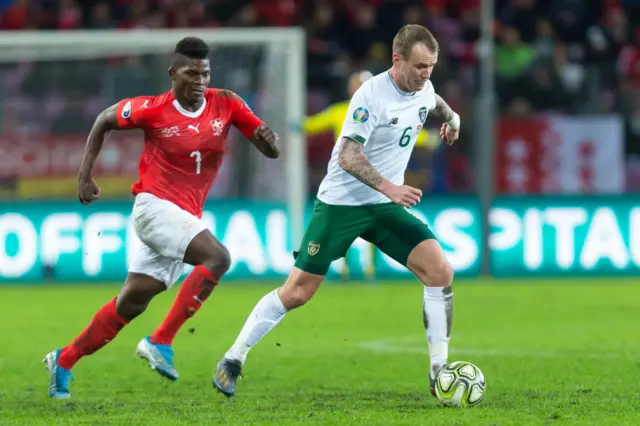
(267, 62)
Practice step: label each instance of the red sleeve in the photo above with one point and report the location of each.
(133, 113)
(242, 117)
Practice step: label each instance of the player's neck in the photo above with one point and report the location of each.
(395, 77)
(189, 105)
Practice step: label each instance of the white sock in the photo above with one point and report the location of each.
(266, 315)
(438, 315)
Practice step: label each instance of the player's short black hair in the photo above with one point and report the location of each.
(191, 48)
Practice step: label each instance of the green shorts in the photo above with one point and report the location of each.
(333, 229)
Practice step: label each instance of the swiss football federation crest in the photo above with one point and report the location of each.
(313, 248)
(423, 114)
(217, 127)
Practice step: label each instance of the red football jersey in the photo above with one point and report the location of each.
(183, 150)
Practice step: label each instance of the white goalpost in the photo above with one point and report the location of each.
(81, 71)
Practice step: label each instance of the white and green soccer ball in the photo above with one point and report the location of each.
(460, 384)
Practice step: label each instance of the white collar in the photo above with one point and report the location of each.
(190, 114)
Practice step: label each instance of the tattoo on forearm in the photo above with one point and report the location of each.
(354, 162)
(443, 110)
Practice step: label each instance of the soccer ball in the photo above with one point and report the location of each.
(460, 384)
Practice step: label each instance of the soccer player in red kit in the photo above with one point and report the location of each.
(185, 139)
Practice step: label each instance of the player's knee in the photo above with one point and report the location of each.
(296, 293)
(299, 288)
(441, 276)
(294, 297)
(218, 262)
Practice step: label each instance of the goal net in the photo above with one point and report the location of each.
(55, 83)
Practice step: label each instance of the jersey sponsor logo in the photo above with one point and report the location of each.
(313, 248)
(218, 126)
(423, 114)
(168, 132)
(393, 121)
(361, 115)
(126, 110)
(194, 128)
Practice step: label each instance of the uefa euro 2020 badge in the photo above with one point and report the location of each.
(361, 115)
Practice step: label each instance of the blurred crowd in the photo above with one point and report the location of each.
(569, 56)
(551, 45)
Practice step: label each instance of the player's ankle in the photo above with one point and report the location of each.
(235, 354)
(160, 339)
(66, 360)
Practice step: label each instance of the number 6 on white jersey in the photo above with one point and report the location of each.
(198, 157)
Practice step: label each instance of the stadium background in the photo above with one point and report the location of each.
(567, 134)
(553, 326)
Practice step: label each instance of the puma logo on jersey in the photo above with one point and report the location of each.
(145, 104)
(194, 128)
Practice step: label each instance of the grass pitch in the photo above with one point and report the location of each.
(553, 352)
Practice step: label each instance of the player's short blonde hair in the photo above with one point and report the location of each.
(409, 36)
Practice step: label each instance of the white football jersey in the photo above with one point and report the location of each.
(386, 121)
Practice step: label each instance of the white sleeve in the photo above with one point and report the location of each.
(362, 116)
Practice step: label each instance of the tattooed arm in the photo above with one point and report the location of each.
(447, 115)
(451, 130)
(352, 159)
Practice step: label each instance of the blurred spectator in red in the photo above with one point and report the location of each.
(16, 16)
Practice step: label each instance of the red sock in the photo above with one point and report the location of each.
(101, 330)
(193, 292)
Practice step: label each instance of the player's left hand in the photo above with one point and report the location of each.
(266, 140)
(449, 135)
(265, 133)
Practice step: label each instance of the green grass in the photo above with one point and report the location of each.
(552, 352)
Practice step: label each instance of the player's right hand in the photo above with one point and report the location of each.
(404, 195)
(88, 190)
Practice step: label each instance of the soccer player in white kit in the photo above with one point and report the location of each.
(363, 196)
